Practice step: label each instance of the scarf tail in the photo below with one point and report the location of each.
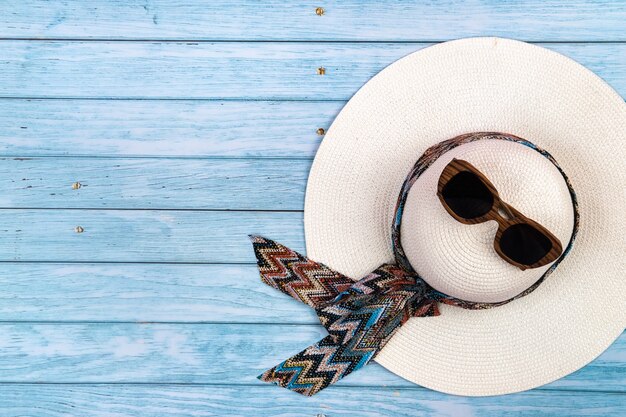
(317, 367)
(307, 281)
(360, 316)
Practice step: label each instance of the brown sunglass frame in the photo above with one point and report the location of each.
(501, 212)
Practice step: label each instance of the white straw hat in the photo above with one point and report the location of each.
(451, 89)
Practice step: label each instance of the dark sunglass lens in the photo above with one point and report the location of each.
(467, 195)
(524, 244)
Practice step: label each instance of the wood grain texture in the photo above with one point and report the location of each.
(163, 128)
(142, 236)
(144, 292)
(580, 20)
(205, 354)
(231, 184)
(227, 70)
(104, 400)
(201, 121)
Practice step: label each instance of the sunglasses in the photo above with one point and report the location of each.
(471, 198)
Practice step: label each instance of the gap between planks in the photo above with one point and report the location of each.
(343, 386)
(294, 40)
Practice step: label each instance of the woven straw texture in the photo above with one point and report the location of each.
(525, 179)
(482, 84)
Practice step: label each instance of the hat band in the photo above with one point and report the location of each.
(362, 316)
(425, 161)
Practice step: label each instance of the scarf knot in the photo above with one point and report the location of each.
(360, 316)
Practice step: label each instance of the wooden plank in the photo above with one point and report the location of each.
(233, 184)
(345, 20)
(142, 236)
(145, 293)
(163, 128)
(205, 354)
(260, 401)
(225, 70)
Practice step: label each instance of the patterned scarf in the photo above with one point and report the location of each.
(361, 316)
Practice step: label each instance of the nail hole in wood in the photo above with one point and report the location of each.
(76, 185)
(319, 11)
(79, 229)
(321, 71)
(321, 131)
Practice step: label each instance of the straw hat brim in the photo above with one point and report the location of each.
(471, 85)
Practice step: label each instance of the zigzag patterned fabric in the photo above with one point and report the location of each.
(360, 316)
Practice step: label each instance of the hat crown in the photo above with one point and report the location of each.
(459, 259)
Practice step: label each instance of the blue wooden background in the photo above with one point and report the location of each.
(188, 125)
